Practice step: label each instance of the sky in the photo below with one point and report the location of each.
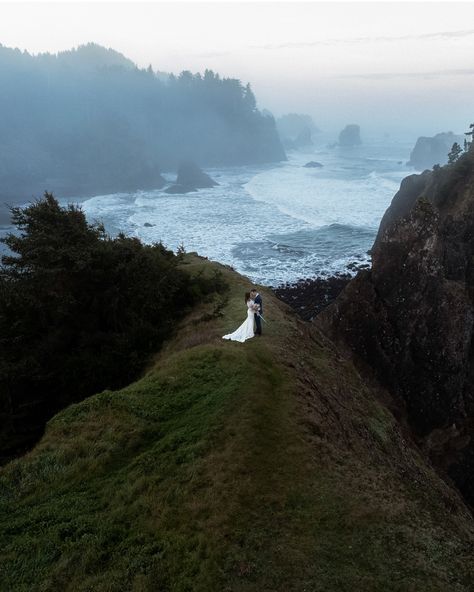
(402, 68)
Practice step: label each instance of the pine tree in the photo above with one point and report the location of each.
(455, 153)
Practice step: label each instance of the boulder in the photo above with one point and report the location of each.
(312, 164)
(189, 174)
(350, 136)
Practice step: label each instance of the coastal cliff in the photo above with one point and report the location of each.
(409, 319)
(270, 465)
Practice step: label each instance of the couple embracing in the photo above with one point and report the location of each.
(254, 303)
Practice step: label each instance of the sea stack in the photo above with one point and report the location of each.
(350, 136)
(190, 178)
(191, 175)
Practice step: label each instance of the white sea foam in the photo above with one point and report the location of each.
(271, 223)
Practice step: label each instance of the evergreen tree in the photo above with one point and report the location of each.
(455, 153)
(79, 312)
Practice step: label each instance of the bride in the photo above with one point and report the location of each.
(245, 331)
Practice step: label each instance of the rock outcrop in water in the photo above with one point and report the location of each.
(411, 317)
(296, 130)
(312, 164)
(190, 178)
(176, 189)
(74, 144)
(190, 174)
(430, 151)
(303, 139)
(350, 136)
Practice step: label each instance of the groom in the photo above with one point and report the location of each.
(255, 296)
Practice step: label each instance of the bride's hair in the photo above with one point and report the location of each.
(247, 297)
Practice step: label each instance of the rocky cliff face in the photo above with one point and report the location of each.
(411, 316)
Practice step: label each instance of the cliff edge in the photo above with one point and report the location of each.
(270, 465)
(410, 318)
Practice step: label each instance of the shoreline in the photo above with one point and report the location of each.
(309, 296)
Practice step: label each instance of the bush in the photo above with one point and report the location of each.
(79, 312)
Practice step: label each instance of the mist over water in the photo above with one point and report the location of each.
(272, 223)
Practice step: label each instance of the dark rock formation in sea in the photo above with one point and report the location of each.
(296, 130)
(190, 178)
(191, 175)
(176, 188)
(75, 145)
(350, 136)
(312, 164)
(430, 151)
(411, 316)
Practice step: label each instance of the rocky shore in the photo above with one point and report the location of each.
(311, 295)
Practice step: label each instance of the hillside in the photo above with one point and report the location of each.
(266, 466)
(88, 121)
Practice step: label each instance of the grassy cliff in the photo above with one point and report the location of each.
(265, 466)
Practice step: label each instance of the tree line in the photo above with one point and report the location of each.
(89, 120)
(79, 312)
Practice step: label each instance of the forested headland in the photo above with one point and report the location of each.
(89, 121)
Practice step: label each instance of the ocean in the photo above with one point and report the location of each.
(273, 223)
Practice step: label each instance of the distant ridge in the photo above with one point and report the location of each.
(88, 121)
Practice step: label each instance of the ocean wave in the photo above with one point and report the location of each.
(271, 223)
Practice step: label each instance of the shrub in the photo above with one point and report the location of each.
(79, 312)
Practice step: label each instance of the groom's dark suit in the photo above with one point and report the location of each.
(258, 320)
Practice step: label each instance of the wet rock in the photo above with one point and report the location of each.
(177, 188)
(312, 164)
(308, 297)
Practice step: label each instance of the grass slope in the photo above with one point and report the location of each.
(264, 466)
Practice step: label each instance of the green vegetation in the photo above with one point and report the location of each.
(455, 153)
(264, 466)
(79, 312)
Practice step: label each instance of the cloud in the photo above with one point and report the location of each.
(393, 75)
(359, 40)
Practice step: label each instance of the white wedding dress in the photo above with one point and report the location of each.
(245, 331)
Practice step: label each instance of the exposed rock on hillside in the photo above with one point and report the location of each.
(411, 317)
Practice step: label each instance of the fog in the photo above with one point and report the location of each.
(88, 120)
(398, 68)
(105, 96)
